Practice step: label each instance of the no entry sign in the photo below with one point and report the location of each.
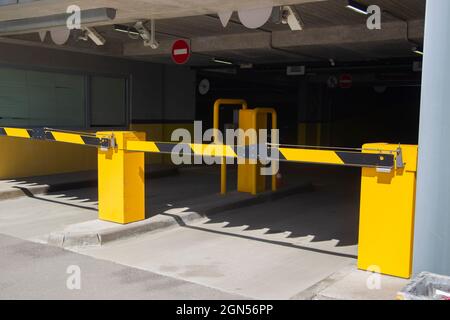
(180, 52)
(346, 81)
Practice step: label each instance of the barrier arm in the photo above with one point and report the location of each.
(56, 135)
(382, 160)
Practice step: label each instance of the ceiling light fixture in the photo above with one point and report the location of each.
(96, 37)
(221, 61)
(357, 7)
(418, 51)
(126, 29)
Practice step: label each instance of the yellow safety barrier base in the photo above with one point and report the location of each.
(121, 180)
(387, 215)
(249, 178)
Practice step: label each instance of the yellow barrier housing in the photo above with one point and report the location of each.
(386, 228)
(249, 178)
(121, 180)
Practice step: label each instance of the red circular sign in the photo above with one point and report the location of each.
(180, 52)
(346, 81)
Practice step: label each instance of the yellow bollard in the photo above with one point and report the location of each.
(121, 180)
(387, 215)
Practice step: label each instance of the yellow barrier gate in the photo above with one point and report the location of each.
(249, 179)
(387, 187)
(386, 226)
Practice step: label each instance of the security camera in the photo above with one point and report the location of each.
(146, 35)
(290, 16)
(83, 35)
(90, 33)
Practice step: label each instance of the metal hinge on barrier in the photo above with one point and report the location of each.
(399, 164)
(108, 143)
(399, 159)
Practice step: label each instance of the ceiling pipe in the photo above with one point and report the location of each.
(33, 24)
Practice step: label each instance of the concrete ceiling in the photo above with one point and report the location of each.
(331, 31)
(132, 10)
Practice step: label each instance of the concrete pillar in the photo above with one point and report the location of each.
(432, 221)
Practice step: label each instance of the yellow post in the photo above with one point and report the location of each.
(216, 122)
(387, 215)
(121, 180)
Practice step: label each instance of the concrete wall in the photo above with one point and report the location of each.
(162, 97)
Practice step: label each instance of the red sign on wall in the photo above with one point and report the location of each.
(180, 52)
(346, 81)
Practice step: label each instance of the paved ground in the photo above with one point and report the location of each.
(301, 247)
(35, 271)
(269, 251)
(36, 216)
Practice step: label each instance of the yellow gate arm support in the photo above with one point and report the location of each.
(121, 180)
(249, 178)
(386, 225)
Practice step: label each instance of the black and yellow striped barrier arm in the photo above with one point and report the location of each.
(355, 158)
(374, 159)
(47, 134)
(383, 159)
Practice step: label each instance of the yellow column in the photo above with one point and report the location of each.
(387, 215)
(121, 180)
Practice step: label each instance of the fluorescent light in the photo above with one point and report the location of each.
(126, 29)
(357, 7)
(418, 51)
(96, 37)
(221, 61)
(55, 20)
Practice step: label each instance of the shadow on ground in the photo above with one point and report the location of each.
(331, 212)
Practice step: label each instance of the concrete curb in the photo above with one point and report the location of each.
(108, 232)
(24, 190)
(97, 233)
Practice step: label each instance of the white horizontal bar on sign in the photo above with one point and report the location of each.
(178, 52)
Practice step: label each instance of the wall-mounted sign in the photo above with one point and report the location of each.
(346, 81)
(180, 52)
